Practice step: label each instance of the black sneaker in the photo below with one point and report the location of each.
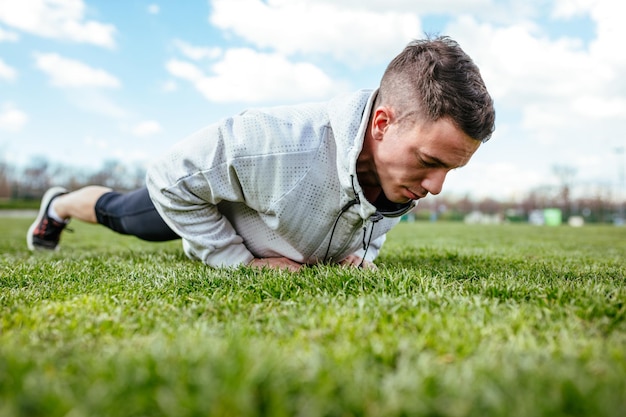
(45, 232)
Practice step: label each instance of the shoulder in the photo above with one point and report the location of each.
(277, 129)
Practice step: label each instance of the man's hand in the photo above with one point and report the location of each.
(293, 266)
(355, 261)
(276, 263)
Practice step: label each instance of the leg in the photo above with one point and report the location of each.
(132, 214)
(79, 204)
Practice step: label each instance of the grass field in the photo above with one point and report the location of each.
(458, 321)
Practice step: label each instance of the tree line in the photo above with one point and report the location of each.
(31, 181)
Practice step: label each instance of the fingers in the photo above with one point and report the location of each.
(357, 261)
(276, 263)
(293, 266)
(369, 265)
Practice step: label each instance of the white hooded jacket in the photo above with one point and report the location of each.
(275, 182)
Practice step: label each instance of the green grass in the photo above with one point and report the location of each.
(458, 321)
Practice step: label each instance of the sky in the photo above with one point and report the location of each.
(83, 82)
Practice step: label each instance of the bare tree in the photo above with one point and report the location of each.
(35, 178)
(5, 179)
(566, 175)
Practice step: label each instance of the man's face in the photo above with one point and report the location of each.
(413, 159)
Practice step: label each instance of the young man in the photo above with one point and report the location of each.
(289, 186)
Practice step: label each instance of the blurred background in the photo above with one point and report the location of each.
(92, 90)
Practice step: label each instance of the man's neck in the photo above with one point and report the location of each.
(366, 168)
(372, 193)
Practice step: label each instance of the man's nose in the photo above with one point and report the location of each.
(433, 183)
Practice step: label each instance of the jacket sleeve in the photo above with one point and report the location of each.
(186, 185)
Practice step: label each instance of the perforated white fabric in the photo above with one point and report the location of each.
(270, 182)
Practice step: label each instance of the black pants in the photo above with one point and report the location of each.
(133, 214)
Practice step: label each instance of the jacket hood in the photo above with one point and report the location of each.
(349, 132)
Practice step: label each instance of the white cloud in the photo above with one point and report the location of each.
(570, 8)
(185, 70)
(244, 75)
(354, 35)
(12, 119)
(8, 36)
(599, 108)
(7, 72)
(497, 11)
(438, 6)
(147, 128)
(197, 53)
(65, 72)
(483, 178)
(611, 32)
(154, 9)
(58, 19)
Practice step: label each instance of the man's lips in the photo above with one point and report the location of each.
(414, 196)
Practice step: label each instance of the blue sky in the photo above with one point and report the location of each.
(86, 81)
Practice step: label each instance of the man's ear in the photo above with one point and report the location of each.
(381, 121)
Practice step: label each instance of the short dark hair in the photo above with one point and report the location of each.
(434, 78)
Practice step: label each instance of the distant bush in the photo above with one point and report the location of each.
(19, 204)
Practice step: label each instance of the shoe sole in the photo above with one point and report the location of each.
(45, 202)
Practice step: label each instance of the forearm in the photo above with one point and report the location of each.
(207, 235)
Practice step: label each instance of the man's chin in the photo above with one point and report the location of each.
(403, 200)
